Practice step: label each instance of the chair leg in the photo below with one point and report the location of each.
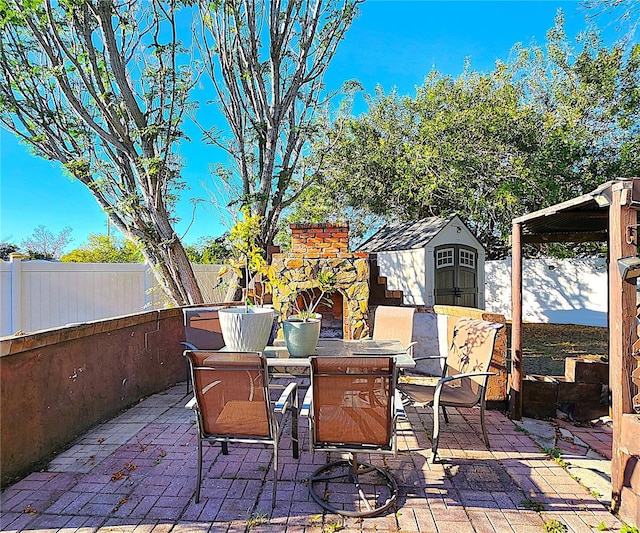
(483, 423)
(444, 413)
(199, 481)
(275, 475)
(188, 374)
(436, 430)
(294, 433)
(225, 448)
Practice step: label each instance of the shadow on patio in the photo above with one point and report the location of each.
(137, 472)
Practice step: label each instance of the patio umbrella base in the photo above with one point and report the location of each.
(350, 488)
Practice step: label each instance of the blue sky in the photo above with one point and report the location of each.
(392, 43)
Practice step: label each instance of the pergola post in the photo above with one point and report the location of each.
(515, 392)
(622, 329)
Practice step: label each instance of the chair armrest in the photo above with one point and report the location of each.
(423, 357)
(285, 401)
(306, 403)
(189, 346)
(191, 404)
(399, 406)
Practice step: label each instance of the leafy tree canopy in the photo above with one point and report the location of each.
(549, 124)
(105, 249)
(209, 250)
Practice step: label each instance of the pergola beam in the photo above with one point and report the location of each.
(564, 237)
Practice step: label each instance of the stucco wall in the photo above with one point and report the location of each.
(58, 383)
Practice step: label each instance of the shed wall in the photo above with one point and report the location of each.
(405, 271)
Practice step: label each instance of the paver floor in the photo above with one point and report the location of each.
(137, 473)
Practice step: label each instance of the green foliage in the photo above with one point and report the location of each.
(104, 249)
(208, 251)
(246, 257)
(629, 529)
(6, 249)
(552, 123)
(267, 61)
(315, 293)
(554, 526)
(533, 505)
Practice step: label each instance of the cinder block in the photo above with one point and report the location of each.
(584, 370)
(539, 396)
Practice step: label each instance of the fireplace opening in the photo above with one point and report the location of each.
(332, 318)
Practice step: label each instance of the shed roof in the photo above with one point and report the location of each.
(405, 235)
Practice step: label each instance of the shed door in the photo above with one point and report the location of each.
(456, 279)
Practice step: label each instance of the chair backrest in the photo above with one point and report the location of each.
(352, 403)
(231, 390)
(393, 323)
(470, 350)
(202, 328)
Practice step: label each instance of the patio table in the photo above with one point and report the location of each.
(278, 356)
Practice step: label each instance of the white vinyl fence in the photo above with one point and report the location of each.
(36, 295)
(568, 291)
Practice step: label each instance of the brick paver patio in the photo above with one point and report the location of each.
(137, 473)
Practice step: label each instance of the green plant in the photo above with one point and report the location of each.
(602, 527)
(629, 529)
(554, 526)
(533, 505)
(556, 455)
(247, 258)
(308, 299)
(257, 519)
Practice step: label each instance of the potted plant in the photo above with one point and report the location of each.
(249, 326)
(302, 329)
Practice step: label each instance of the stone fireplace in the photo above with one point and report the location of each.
(325, 248)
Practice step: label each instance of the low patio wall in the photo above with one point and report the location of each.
(58, 383)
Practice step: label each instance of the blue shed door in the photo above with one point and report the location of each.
(456, 275)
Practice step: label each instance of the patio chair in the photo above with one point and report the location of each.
(464, 377)
(395, 323)
(232, 404)
(352, 410)
(201, 330)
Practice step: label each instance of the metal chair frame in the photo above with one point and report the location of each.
(288, 402)
(194, 339)
(418, 392)
(394, 323)
(352, 469)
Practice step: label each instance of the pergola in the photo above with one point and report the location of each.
(608, 214)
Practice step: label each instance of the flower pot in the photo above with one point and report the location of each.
(246, 330)
(301, 337)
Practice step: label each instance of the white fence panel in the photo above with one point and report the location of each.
(37, 295)
(5, 297)
(569, 291)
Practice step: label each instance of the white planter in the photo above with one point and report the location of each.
(246, 330)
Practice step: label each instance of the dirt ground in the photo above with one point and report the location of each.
(545, 346)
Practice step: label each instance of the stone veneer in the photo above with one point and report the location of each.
(325, 248)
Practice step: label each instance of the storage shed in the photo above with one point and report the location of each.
(433, 261)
